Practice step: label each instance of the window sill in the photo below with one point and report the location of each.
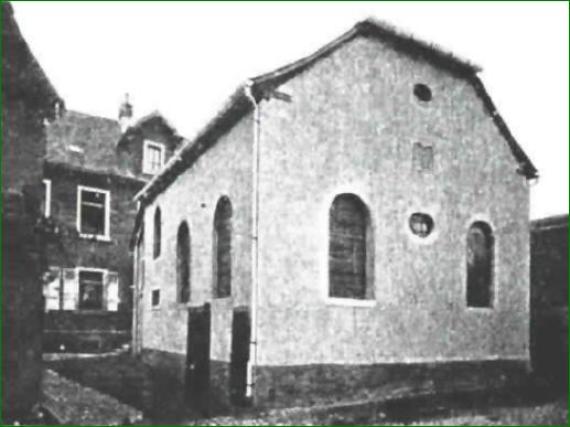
(351, 302)
(95, 237)
(480, 309)
(101, 312)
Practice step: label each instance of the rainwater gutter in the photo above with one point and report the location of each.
(252, 361)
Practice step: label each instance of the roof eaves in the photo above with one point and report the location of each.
(526, 167)
(551, 222)
(48, 92)
(193, 147)
(64, 166)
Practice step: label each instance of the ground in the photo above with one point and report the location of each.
(126, 379)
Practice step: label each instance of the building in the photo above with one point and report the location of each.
(93, 169)
(549, 299)
(351, 226)
(28, 100)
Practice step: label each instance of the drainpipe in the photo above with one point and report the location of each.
(252, 362)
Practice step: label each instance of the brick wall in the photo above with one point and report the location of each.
(549, 263)
(549, 299)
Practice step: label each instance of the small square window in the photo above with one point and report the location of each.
(90, 290)
(422, 157)
(155, 297)
(153, 157)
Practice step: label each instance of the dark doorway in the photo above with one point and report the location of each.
(241, 335)
(198, 358)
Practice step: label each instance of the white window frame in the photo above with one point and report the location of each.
(106, 236)
(360, 190)
(47, 198)
(146, 161)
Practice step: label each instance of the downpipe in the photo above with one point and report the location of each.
(252, 361)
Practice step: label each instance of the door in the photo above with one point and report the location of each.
(197, 379)
(241, 337)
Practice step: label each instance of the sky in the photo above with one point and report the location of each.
(185, 58)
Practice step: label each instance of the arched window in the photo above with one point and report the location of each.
(480, 260)
(157, 236)
(223, 248)
(348, 246)
(183, 263)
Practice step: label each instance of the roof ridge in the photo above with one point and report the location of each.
(93, 116)
(413, 37)
(263, 83)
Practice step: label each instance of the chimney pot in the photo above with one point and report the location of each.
(125, 114)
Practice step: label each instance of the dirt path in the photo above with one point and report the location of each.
(72, 403)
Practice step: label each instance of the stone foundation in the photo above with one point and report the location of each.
(289, 386)
(169, 388)
(306, 385)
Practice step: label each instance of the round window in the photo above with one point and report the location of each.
(421, 224)
(422, 92)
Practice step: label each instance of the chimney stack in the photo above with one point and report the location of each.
(125, 114)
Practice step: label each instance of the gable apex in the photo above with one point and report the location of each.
(375, 28)
(262, 86)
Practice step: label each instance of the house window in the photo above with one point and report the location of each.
(46, 208)
(157, 237)
(90, 290)
(153, 157)
(93, 211)
(422, 157)
(223, 248)
(348, 243)
(183, 262)
(480, 263)
(155, 297)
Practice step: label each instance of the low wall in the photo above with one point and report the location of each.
(549, 346)
(85, 332)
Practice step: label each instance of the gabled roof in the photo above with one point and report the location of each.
(155, 117)
(372, 27)
(22, 75)
(152, 116)
(262, 86)
(84, 141)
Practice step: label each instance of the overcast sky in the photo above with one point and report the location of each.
(184, 59)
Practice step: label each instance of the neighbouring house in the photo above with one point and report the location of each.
(93, 169)
(351, 226)
(549, 298)
(28, 100)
